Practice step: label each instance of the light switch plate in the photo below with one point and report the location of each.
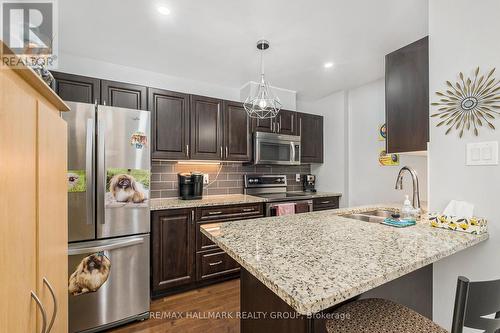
(205, 178)
(482, 153)
(297, 177)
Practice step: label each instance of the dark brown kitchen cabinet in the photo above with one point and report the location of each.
(169, 124)
(325, 203)
(124, 95)
(77, 88)
(213, 264)
(263, 125)
(237, 133)
(173, 249)
(407, 98)
(206, 128)
(286, 122)
(310, 129)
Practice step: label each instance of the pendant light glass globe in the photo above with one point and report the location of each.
(263, 104)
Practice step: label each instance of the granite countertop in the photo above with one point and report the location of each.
(208, 200)
(314, 261)
(219, 200)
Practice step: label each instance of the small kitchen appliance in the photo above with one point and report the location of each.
(190, 186)
(308, 183)
(279, 149)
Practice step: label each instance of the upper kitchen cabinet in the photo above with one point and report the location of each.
(206, 128)
(286, 122)
(124, 95)
(263, 125)
(237, 135)
(407, 98)
(77, 88)
(170, 124)
(310, 129)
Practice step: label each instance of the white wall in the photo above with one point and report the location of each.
(368, 181)
(463, 35)
(73, 64)
(331, 175)
(351, 166)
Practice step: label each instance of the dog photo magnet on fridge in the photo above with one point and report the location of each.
(90, 275)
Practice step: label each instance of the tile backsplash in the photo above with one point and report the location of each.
(164, 183)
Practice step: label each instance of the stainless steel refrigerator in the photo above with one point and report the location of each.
(109, 219)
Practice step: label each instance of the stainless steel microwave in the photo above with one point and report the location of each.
(272, 148)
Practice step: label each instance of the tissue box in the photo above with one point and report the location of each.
(473, 225)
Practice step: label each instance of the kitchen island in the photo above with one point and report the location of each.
(298, 268)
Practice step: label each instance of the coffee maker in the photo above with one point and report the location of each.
(308, 183)
(190, 186)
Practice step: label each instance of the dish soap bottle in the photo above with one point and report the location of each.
(407, 209)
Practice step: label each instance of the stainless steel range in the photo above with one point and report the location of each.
(274, 189)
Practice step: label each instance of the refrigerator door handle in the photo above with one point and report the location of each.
(89, 170)
(101, 170)
(109, 247)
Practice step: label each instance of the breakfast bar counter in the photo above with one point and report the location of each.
(309, 263)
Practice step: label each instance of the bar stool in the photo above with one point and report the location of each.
(376, 315)
(473, 301)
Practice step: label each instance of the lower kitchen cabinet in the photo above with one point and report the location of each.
(325, 203)
(172, 253)
(182, 258)
(213, 264)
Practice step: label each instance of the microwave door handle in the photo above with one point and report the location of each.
(292, 156)
(89, 170)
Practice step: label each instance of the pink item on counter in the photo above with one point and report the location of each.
(285, 209)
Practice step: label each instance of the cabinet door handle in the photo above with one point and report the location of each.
(221, 152)
(274, 126)
(187, 150)
(215, 213)
(248, 209)
(215, 263)
(227, 152)
(279, 126)
(42, 310)
(325, 202)
(300, 126)
(54, 313)
(192, 217)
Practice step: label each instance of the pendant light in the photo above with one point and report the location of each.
(263, 104)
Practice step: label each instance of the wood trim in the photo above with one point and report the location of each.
(36, 82)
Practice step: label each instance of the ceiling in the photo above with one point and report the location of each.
(214, 41)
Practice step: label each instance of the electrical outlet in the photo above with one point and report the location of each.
(297, 177)
(205, 178)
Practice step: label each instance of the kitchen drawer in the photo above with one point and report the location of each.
(202, 241)
(229, 213)
(325, 203)
(214, 264)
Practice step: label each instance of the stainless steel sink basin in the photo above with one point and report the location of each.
(376, 216)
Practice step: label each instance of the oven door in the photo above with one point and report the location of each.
(271, 148)
(271, 207)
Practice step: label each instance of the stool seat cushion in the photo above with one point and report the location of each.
(375, 315)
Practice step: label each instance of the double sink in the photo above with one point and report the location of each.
(376, 216)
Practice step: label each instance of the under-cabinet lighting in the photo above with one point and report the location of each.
(198, 163)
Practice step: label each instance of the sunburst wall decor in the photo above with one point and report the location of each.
(470, 103)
